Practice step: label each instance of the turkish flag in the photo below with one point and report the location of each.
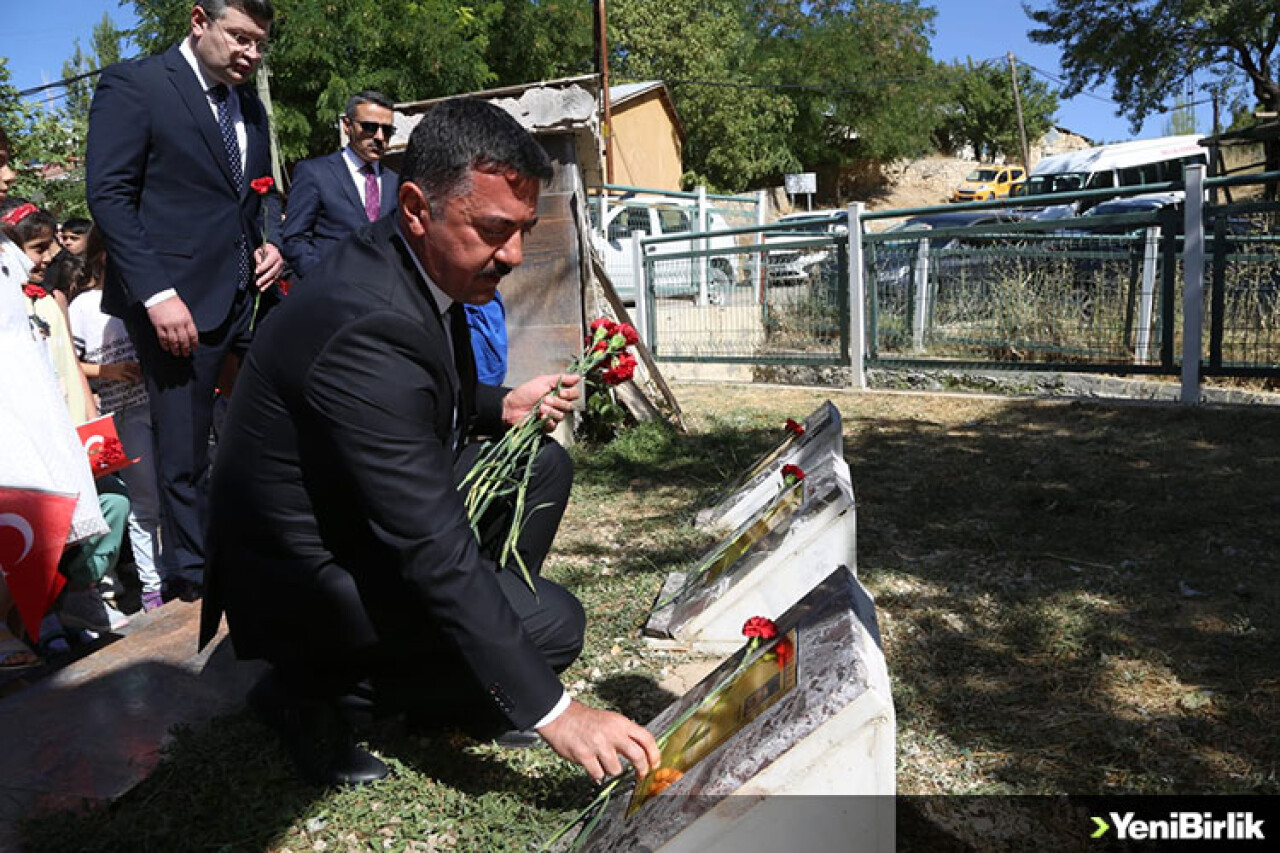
(33, 532)
(102, 443)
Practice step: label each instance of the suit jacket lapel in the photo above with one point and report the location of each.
(257, 140)
(197, 104)
(390, 185)
(347, 186)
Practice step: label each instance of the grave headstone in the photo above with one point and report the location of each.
(767, 564)
(785, 746)
(819, 435)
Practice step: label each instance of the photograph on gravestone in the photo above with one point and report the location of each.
(744, 696)
(766, 565)
(820, 432)
(789, 740)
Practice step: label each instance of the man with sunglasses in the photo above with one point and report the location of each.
(176, 142)
(333, 195)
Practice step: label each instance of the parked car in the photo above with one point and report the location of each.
(797, 265)
(988, 182)
(895, 258)
(661, 217)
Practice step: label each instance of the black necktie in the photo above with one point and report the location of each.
(465, 366)
(221, 99)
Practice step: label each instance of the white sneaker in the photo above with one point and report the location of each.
(84, 608)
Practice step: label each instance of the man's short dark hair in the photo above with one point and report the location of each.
(368, 96)
(461, 134)
(76, 225)
(260, 9)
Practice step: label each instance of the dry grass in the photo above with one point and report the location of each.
(1075, 597)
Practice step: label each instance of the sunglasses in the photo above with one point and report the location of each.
(372, 127)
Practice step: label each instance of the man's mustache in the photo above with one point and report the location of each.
(497, 269)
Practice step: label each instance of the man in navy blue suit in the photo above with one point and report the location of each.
(176, 143)
(332, 196)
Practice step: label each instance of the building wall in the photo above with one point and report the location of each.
(646, 145)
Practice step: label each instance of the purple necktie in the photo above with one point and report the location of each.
(371, 199)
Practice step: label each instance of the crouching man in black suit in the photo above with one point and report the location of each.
(339, 547)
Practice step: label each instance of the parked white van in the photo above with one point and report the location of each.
(1125, 164)
(663, 217)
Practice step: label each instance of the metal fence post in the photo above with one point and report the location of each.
(857, 300)
(703, 261)
(1146, 297)
(641, 291)
(1193, 284)
(762, 215)
(921, 293)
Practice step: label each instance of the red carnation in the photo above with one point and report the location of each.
(792, 473)
(34, 291)
(621, 369)
(602, 323)
(794, 427)
(628, 333)
(758, 627)
(284, 287)
(262, 185)
(785, 650)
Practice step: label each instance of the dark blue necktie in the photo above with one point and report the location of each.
(221, 99)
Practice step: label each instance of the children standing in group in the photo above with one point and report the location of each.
(109, 361)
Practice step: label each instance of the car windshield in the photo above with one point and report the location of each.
(982, 175)
(1064, 182)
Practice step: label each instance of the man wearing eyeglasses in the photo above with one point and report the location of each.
(332, 196)
(175, 143)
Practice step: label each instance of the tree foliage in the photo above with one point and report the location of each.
(1149, 50)
(980, 110)
(861, 78)
(737, 134)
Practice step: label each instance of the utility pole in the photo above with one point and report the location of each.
(1017, 103)
(602, 68)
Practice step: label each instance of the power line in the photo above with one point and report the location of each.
(35, 90)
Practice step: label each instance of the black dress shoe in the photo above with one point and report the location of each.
(315, 735)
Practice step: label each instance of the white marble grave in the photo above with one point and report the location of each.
(743, 498)
(774, 751)
(767, 564)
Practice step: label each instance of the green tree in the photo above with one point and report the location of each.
(737, 133)
(858, 72)
(980, 109)
(1149, 50)
(323, 51)
(1182, 118)
(540, 40)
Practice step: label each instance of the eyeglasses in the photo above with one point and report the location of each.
(372, 127)
(242, 41)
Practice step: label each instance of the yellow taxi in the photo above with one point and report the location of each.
(988, 182)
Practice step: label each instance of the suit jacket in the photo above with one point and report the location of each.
(324, 206)
(160, 187)
(335, 524)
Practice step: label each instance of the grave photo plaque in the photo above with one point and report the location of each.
(820, 434)
(765, 566)
(787, 745)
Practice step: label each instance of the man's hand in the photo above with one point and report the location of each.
(595, 739)
(268, 264)
(174, 327)
(554, 407)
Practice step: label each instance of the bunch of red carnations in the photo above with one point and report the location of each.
(504, 467)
